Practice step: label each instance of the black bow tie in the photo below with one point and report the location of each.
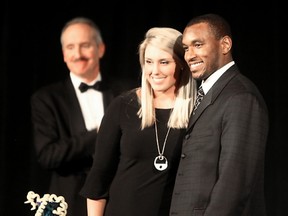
(84, 87)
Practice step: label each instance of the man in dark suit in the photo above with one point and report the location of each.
(221, 171)
(66, 115)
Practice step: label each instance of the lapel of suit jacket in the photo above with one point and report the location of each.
(212, 94)
(78, 123)
(107, 94)
(107, 98)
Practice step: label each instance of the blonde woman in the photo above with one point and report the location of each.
(140, 137)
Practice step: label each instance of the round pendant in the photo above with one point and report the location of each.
(161, 163)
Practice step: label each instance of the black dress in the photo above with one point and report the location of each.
(123, 171)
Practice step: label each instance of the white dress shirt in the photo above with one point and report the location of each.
(209, 82)
(91, 103)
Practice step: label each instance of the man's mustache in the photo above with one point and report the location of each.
(81, 59)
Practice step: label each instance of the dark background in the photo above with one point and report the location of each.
(30, 57)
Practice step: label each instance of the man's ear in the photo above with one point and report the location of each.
(101, 50)
(226, 44)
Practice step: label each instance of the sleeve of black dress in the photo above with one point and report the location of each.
(107, 154)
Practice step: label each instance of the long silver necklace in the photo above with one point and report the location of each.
(161, 162)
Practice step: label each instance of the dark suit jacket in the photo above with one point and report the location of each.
(62, 143)
(221, 172)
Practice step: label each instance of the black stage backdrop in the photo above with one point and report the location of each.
(31, 57)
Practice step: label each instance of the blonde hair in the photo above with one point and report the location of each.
(169, 40)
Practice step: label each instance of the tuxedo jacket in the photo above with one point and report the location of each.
(62, 143)
(221, 171)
